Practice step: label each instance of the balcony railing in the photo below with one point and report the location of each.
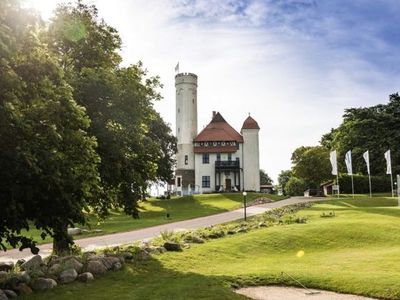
(227, 164)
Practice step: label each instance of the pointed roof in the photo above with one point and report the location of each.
(218, 130)
(250, 123)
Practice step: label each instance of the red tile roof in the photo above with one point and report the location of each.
(250, 123)
(218, 130)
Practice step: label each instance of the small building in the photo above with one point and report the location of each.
(328, 187)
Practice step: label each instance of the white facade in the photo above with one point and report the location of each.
(251, 160)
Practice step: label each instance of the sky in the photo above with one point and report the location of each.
(294, 65)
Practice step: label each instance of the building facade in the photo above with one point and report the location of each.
(218, 159)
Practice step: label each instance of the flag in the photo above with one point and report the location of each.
(388, 162)
(177, 67)
(366, 158)
(333, 159)
(348, 163)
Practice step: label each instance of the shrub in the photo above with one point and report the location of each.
(295, 187)
(380, 184)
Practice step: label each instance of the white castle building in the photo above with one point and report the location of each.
(218, 159)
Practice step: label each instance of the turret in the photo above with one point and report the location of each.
(251, 155)
(186, 128)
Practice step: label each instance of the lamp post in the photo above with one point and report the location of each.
(245, 205)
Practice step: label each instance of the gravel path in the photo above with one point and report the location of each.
(292, 293)
(146, 233)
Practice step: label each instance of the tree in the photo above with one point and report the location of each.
(295, 186)
(48, 161)
(283, 179)
(264, 178)
(311, 164)
(375, 128)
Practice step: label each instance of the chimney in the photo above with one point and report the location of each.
(214, 113)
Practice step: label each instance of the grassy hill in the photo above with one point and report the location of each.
(355, 251)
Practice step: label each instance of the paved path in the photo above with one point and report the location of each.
(115, 239)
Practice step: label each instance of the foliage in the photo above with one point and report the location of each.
(380, 184)
(296, 186)
(283, 179)
(311, 164)
(264, 178)
(375, 128)
(48, 161)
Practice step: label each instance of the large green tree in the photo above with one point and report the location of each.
(264, 177)
(48, 161)
(375, 128)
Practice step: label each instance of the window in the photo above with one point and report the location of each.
(206, 158)
(186, 159)
(179, 183)
(205, 181)
(218, 156)
(229, 156)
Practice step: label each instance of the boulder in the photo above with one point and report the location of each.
(3, 275)
(24, 277)
(10, 294)
(117, 266)
(43, 284)
(74, 231)
(20, 262)
(126, 255)
(117, 255)
(3, 295)
(142, 255)
(68, 276)
(55, 269)
(34, 263)
(74, 264)
(85, 277)
(6, 266)
(172, 246)
(110, 261)
(96, 267)
(23, 289)
(89, 255)
(195, 240)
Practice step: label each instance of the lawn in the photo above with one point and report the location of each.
(153, 212)
(354, 252)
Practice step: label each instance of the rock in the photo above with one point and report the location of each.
(55, 269)
(10, 294)
(118, 255)
(110, 261)
(6, 266)
(20, 262)
(68, 276)
(3, 275)
(117, 266)
(230, 232)
(85, 277)
(195, 240)
(3, 295)
(142, 255)
(74, 264)
(88, 255)
(34, 263)
(161, 249)
(74, 231)
(126, 255)
(242, 229)
(23, 289)
(24, 277)
(43, 284)
(172, 246)
(96, 267)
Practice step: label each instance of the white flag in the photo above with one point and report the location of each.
(177, 67)
(348, 163)
(333, 160)
(366, 158)
(388, 162)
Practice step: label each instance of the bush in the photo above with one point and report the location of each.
(295, 187)
(380, 184)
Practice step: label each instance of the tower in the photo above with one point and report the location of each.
(251, 155)
(186, 130)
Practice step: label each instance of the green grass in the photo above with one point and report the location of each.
(153, 212)
(357, 251)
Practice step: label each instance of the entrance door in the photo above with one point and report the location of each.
(228, 184)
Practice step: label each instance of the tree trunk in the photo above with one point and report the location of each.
(62, 242)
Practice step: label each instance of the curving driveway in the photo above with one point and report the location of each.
(116, 239)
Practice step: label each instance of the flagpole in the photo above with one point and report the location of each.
(370, 188)
(337, 185)
(352, 184)
(391, 180)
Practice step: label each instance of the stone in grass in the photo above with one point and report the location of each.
(43, 284)
(68, 276)
(10, 294)
(85, 277)
(55, 269)
(74, 231)
(117, 266)
(74, 264)
(34, 263)
(24, 277)
(172, 246)
(6, 266)
(110, 261)
(96, 267)
(23, 289)
(195, 240)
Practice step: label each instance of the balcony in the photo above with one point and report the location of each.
(227, 165)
